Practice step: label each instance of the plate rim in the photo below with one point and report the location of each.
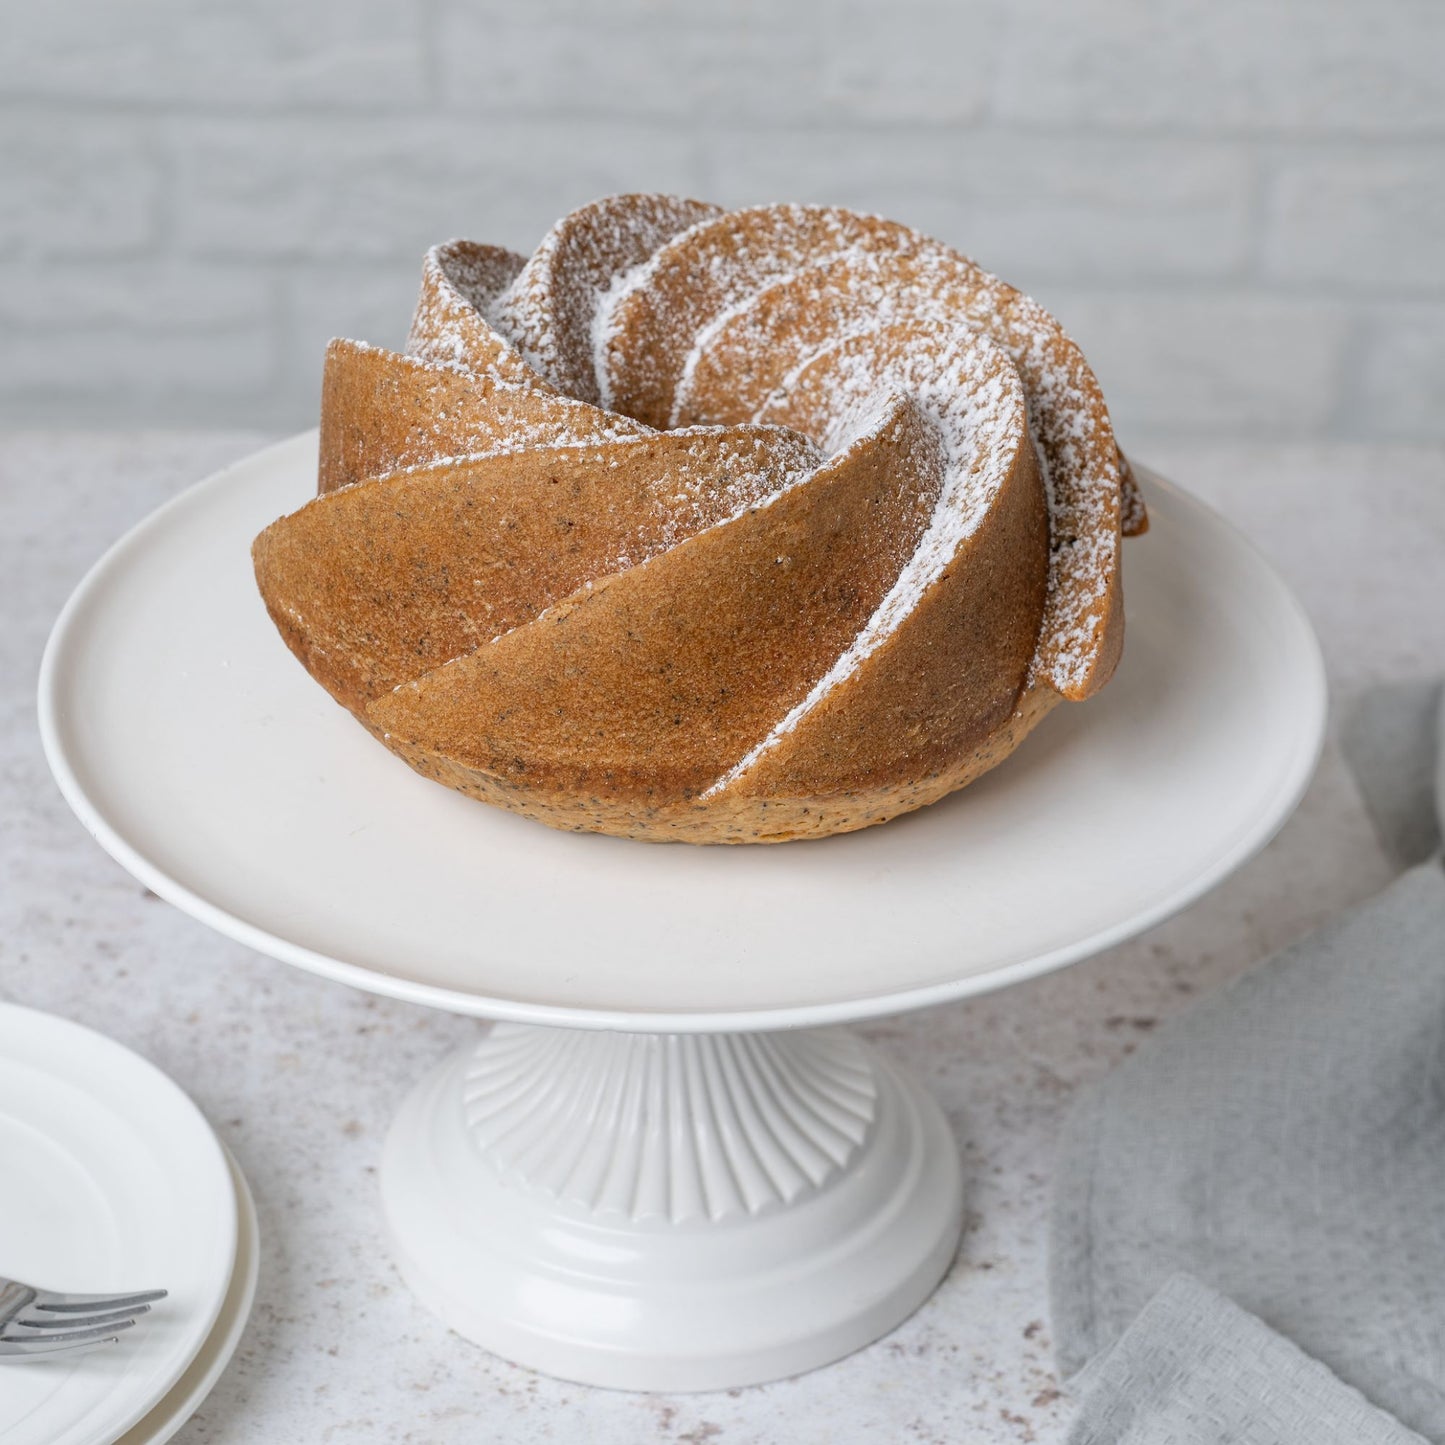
(206, 1139)
(1313, 712)
(226, 1333)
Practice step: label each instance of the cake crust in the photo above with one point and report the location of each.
(709, 526)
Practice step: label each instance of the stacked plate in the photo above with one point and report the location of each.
(112, 1180)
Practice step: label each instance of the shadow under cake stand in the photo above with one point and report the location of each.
(665, 1166)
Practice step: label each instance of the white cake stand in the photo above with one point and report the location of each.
(663, 1168)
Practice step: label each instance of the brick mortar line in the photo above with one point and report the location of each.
(19, 105)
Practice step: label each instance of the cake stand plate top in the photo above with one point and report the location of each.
(201, 756)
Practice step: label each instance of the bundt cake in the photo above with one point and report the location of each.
(717, 526)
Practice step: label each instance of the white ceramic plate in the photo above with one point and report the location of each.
(113, 1181)
(186, 1395)
(203, 757)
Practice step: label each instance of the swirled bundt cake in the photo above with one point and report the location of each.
(718, 526)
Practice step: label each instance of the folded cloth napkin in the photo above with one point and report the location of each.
(1283, 1146)
(1194, 1367)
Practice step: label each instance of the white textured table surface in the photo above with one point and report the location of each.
(301, 1077)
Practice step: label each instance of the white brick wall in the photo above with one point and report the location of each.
(1238, 206)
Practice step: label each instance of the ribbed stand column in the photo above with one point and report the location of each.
(671, 1211)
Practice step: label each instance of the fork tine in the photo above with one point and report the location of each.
(75, 1321)
(48, 1345)
(93, 1332)
(52, 1301)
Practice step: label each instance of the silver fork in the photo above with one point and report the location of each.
(44, 1322)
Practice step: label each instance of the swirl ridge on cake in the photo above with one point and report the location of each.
(715, 526)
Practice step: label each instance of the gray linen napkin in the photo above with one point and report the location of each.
(1394, 738)
(1194, 1367)
(1284, 1144)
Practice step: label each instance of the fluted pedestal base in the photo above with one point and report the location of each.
(671, 1212)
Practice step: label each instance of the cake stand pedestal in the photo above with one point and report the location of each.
(664, 1167)
(671, 1211)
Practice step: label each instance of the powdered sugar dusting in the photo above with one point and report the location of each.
(643, 312)
(602, 324)
(966, 389)
(725, 300)
(548, 311)
(449, 326)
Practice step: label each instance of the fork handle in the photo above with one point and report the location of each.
(13, 1298)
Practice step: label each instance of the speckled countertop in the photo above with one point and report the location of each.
(300, 1077)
